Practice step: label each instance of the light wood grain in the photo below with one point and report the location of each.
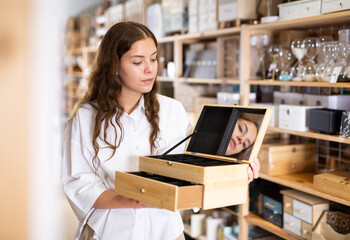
(260, 222)
(312, 134)
(303, 182)
(210, 80)
(336, 183)
(157, 193)
(298, 84)
(277, 159)
(307, 22)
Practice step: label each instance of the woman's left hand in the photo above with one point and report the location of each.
(253, 170)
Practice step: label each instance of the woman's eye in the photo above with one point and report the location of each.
(137, 63)
(240, 128)
(154, 60)
(244, 145)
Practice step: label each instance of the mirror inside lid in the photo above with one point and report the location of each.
(213, 128)
(230, 131)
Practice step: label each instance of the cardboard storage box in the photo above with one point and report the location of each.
(294, 117)
(341, 102)
(280, 158)
(203, 176)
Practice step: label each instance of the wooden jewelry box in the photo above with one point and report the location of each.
(203, 176)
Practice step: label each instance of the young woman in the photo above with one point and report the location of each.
(243, 136)
(120, 118)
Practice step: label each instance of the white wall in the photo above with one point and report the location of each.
(46, 95)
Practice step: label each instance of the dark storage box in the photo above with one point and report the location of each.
(325, 120)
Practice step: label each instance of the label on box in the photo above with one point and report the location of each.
(335, 74)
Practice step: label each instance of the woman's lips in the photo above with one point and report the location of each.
(148, 80)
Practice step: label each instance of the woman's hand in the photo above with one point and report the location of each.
(137, 204)
(253, 170)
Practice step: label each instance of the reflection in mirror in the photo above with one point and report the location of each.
(244, 135)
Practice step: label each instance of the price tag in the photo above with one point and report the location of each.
(335, 74)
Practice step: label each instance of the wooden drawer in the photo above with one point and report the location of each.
(306, 230)
(302, 211)
(159, 191)
(292, 224)
(195, 169)
(278, 158)
(288, 205)
(310, 8)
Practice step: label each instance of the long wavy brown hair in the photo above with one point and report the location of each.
(104, 87)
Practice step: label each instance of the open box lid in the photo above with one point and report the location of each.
(215, 125)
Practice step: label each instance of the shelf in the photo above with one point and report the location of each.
(299, 84)
(303, 23)
(262, 223)
(226, 209)
(168, 39)
(165, 79)
(210, 80)
(200, 35)
(210, 34)
(303, 182)
(312, 134)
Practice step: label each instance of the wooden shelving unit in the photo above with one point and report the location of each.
(298, 84)
(303, 182)
(209, 80)
(312, 134)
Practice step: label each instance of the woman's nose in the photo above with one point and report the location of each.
(148, 67)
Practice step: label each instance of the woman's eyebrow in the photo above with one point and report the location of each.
(141, 56)
(246, 127)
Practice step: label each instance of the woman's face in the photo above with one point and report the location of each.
(138, 67)
(243, 136)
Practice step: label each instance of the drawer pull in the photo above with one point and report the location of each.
(142, 190)
(270, 205)
(341, 5)
(294, 149)
(169, 163)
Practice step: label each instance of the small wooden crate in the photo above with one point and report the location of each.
(222, 179)
(336, 183)
(281, 158)
(324, 231)
(301, 212)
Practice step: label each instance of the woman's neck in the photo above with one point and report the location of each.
(129, 101)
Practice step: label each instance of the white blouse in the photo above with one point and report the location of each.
(82, 186)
